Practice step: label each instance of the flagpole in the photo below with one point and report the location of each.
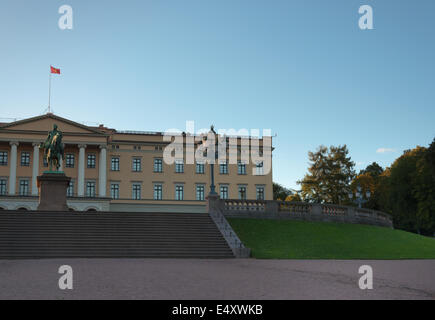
(49, 91)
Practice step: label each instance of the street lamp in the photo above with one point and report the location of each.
(212, 185)
(359, 199)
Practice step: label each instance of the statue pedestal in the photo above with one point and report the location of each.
(52, 191)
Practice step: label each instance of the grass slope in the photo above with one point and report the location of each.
(286, 239)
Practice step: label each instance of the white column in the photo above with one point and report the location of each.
(13, 168)
(102, 171)
(81, 174)
(35, 170)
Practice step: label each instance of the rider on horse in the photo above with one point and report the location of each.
(53, 148)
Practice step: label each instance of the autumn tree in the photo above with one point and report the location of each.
(369, 179)
(280, 192)
(329, 175)
(293, 198)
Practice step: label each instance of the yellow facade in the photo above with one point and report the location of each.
(86, 146)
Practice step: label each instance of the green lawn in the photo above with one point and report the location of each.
(286, 239)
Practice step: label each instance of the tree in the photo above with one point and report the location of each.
(329, 175)
(369, 179)
(424, 192)
(430, 157)
(374, 169)
(293, 198)
(410, 193)
(280, 192)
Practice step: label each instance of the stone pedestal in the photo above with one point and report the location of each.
(213, 202)
(52, 191)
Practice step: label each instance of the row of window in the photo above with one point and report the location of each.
(179, 191)
(179, 166)
(137, 190)
(136, 164)
(25, 158)
(23, 187)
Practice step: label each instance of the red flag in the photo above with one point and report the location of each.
(54, 70)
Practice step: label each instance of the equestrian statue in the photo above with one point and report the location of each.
(53, 148)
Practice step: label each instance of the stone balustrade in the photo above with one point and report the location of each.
(266, 209)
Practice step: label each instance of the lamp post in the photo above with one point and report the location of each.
(212, 185)
(359, 199)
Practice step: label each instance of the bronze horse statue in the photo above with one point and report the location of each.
(53, 148)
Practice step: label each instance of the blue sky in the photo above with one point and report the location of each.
(301, 68)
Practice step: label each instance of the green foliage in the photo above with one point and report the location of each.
(374, 170)
(430, 157)
(370, 179)
(293, 198)
(286, 239)
(280, 192)
(409, 192)
(329, 175)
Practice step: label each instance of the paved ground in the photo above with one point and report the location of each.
(215, 279)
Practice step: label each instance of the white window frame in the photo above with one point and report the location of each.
(158, 194)
(5, 191)
(158, 165)
(246, 192)
(27, 187)
(202, 195)
(94, 194)
(221, 194)
(257, 188)
(114, 190)
(134, 195)
(177, 192)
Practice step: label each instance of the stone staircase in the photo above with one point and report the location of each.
(109, 235)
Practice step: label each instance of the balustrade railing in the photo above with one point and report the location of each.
(295, 207)
(333, 210)
(303, 210)
(245, 205)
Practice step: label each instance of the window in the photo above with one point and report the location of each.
(137, 164)
(90, 189)
(136, 191)
(69, 160)
(179, 166)
(179, 192)
(114, 190)
(44, 162)
(114, 164)
(3, 158)
(260, 193)
(242, 192)
(259, 169)
(223, 167)
(241, 167)
(91, 160)
(224, 192)
(158, 165)
(70, 189)
(158, 192)
(24, 187)
(200, 192)
(25, 159)
(3, 186)
(200, 168)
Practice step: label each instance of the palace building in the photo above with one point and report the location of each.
(115, 170)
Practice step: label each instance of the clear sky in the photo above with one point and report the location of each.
(301, 68)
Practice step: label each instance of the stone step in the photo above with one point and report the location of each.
(69, 234)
